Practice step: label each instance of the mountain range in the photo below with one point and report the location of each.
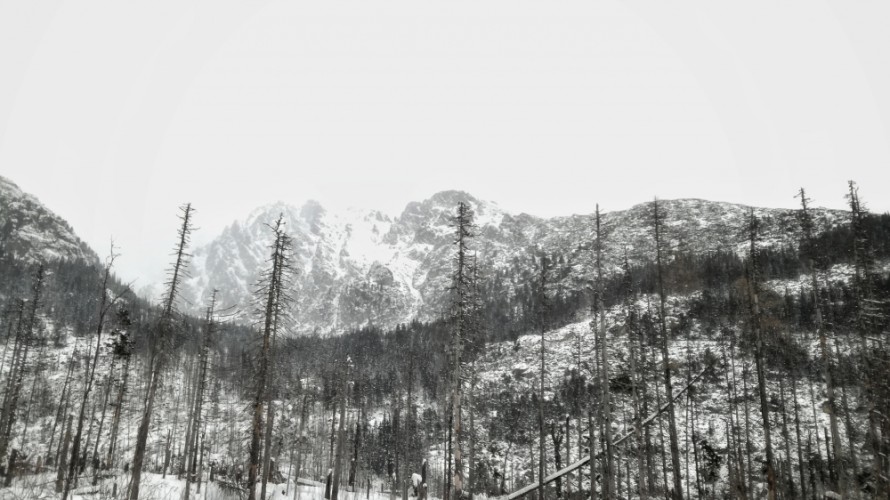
(358, 268)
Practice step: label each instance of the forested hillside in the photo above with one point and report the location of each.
(680, 349)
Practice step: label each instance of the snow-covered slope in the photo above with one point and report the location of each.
(31, 232)
(360, 268)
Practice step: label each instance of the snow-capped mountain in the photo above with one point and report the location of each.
(31, 232)
(359, 268)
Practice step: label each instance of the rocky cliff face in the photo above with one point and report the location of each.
(360, 268)
(30, 232)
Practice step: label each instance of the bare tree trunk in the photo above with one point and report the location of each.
(116, 416)
(609, 462)
(61, 411)
(274, 304)
(472, 457)
(753, 282)
(102, 421)
(196, 421)
(808, 238)
(63, 460)
(105, 303)
(677, 493)
(156, 358)
(338, 463)
(16, 377)
(461, 288)
(556, 436)
(541, 432)
(800, 456)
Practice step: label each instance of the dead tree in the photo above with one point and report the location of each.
(658, 223)
(122, 348)
(196, 420)
(757, 330)
(637, 379)
(600, 329)
(461, 324)
(20, 362)
(106, 302)
(275, 301)
(808, 252)
(543, 309)
(158, 346)
(338, 461)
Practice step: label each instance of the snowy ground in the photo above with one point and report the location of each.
(155, 487)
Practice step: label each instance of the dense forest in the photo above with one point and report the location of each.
(726, 374)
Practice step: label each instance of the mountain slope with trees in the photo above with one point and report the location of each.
(769, 328)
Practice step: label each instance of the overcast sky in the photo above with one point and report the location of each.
(115, 113)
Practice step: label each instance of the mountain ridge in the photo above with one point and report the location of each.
(361, 267)
(31, 232)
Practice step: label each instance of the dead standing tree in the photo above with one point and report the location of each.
(195, 421)
(159, 343)
(598, 325)
(271, 293)
(757, 330)
(658, 226)
(808, 252)
(106, 302)
(543, 311)
(24, 340)
(462, 323)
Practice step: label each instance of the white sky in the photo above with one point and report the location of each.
(115, 113)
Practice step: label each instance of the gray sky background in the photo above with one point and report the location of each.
(114, 113)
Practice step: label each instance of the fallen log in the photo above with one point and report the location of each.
(580, 463)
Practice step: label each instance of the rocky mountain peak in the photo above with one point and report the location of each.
(361, 267)
(31, 232)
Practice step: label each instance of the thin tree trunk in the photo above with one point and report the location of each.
(338, 463)
(609, 462)
(63, 460)
(677, 492)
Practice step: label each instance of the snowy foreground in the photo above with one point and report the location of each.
(156, 487)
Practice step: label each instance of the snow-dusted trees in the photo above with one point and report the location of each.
(24, 338)
(121, 349)
(195, 420)
(159, 343)
(106, 302)
(273, 296)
